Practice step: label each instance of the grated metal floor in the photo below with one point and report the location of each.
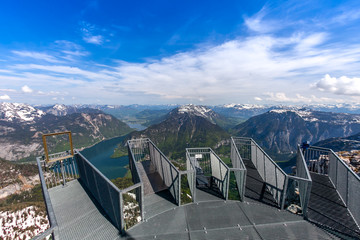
(226, 220)
(150, 178)
(255, 189)
(78, 216)
(326, 207)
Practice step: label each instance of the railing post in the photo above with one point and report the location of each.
(122, 219)
(63, 172)
(284, 192)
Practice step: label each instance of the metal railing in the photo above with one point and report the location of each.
(145, 149)
(110, 198)
(191, 176)
(300, 183)
(238, 169)
(53, 230)
(102, 189)
(346, 182)
(270, 172)
(59, 172)
(211, 164)
(168, 172)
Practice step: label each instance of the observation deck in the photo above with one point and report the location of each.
(201, 198)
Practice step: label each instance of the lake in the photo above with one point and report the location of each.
(136, 126)
(99, 156)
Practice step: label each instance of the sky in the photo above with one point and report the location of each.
(178, 52)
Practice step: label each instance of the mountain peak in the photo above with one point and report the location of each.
(19, 112)
(197, 110)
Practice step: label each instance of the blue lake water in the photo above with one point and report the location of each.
(99, 155)
(137, 126)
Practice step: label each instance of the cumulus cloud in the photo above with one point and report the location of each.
(341, 86)
(26, 89)
(5, 97)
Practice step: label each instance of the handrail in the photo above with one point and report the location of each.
(44, 234)
(136, 167)
(345, 165)
(162, 154)
(272, 161)
(48, 205)
(344, 179)
(304, 163)
(237, 152)
(97, 171)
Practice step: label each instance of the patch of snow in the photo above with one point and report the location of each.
(60, 107)
(23, 224)
(19, 111)
(201, 111)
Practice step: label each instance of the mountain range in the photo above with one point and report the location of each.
(341, 143)
(185, 126)
(280, 130)
(22, 126)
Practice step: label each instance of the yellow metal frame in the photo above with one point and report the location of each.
(46, 149)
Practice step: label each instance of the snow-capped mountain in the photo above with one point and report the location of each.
(22, 126)
(200, 111)
(280, 130)
(63, 110)
(20, 112)
(242, 111)
(185, 126)
(309, 115)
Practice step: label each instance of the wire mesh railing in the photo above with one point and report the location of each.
(190, 174)
(270, 172)
(53, 230)
(299, 186)
(167, 171)
(102, 189)
(346, 182)
(208, 163)
(238, 170)
(145, 149)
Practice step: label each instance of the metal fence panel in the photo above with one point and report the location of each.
(239, 169)
(259, 160)
(105, 192)
(333, 168)
(341, 181)
(167, 171)
(354, 196)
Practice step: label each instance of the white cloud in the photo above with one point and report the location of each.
(5, 97)
(26, 89)
(341, 86)
(37, 55)
(98, 39)
(88, 30)
(257, 99)
(7, 90)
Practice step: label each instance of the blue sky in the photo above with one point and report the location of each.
(165, 52)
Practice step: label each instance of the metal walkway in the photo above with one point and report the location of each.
(89, 206)
(326, 207)
(150, 178)
(216, 220)
(78, 215)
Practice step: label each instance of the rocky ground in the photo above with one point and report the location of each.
(352, 158)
